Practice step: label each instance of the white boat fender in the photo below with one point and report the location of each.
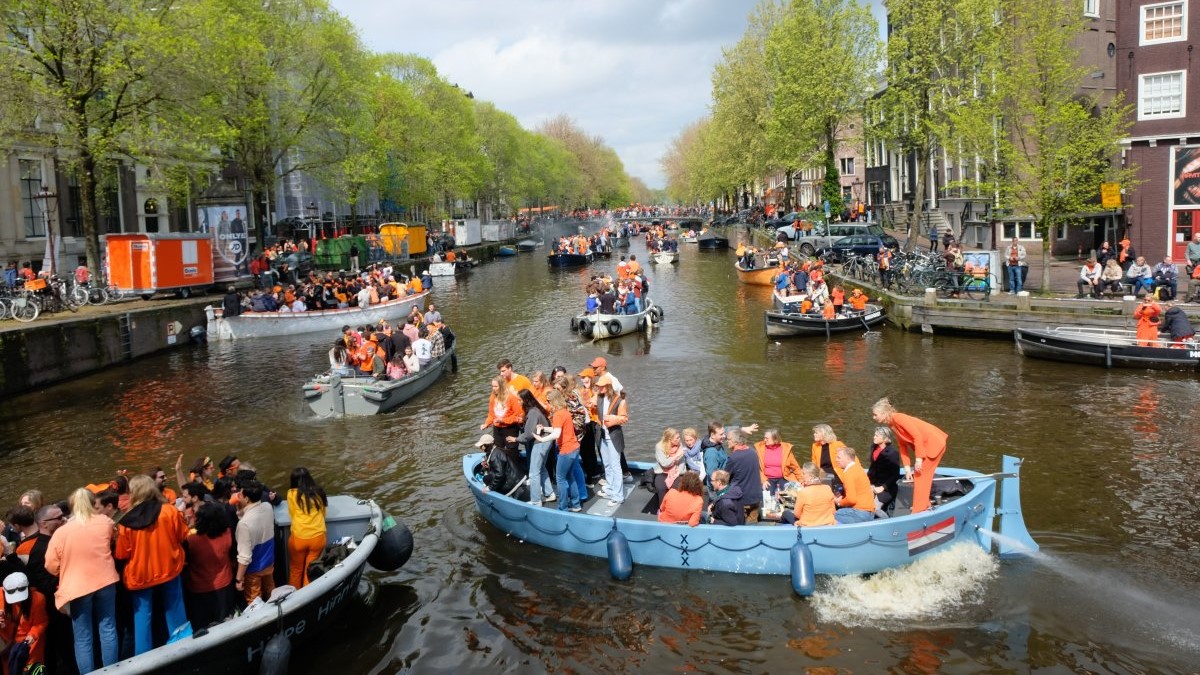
(804, 581)
(394, 548)
(620, 559)
(276, 656)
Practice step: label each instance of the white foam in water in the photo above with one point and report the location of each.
(928, 588)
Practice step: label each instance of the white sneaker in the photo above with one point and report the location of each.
(613, 502)
(602, 482)
(552, 498)
(575, 509)
(628, 478)
(535, 503)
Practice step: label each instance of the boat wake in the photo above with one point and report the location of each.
(928, 588)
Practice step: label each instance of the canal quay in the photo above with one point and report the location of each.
(1107, 472)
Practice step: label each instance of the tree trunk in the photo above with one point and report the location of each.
(787, 191)
(1044, 228)
(914, 218)
(88, 213)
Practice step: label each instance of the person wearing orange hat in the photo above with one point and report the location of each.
(600, 367)
(613, 415)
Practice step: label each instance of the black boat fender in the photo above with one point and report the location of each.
(574, 327)
(395, 546)
(585, 326)
(614, 327)
(657, 313)
(276, 655)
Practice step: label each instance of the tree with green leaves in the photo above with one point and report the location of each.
(1055, 145)
(823, 55)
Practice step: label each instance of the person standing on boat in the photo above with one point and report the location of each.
(743, 468)
(514, 380)
(433, 315)
(504, 412)
(613, 414)
(581, 399)
(306, 506)
(926, 442)
(255, 537)
(541, 488)
(884, 472)
(563, 431)
(1147, 315)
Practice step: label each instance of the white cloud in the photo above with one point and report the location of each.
(634, 72)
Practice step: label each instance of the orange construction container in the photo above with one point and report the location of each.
(146, 263)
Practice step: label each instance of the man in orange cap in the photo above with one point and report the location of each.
(600, 367)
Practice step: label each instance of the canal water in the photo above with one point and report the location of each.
(1109, 487)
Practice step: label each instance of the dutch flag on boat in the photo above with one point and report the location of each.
(933, 536)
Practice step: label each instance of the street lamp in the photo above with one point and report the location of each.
(49, 204)
(312, 211)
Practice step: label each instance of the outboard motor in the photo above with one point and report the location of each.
(199, 335)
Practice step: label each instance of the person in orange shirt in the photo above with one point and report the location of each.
(776, 463)
(814, 501)
(505, 414)
(828, 311)
(857, 505)
(926, 442)
(23, 618)
(858, 300)
(1147, 315)
(684, 501)
(539, 385)
(515, 381)
(838, 296)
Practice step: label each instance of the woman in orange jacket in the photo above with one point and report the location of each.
(1147, 315)
(151, 538)
(927, 443)
(824, 451)
(505, 414)
(23, 618)
(776, 463)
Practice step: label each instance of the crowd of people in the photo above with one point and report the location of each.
(624, 295)
(384, 352)
(118, 568)
(374, 285)
(560, 438)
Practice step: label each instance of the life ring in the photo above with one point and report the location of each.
(613, 326)
(657, 313)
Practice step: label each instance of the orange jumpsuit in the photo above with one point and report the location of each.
(1147, 315)
(928, 443)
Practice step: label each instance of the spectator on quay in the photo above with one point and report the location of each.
(1014, 261)
(1089, 279)
(933, 238)
(1140, 276)
(1106, 253)
(80, 555)
(1111, 276)
(1166, 277)
(255, 536)
(1126, 254)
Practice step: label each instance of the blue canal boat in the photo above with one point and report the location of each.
(627, 536)
(565, 260)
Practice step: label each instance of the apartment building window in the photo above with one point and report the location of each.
(1165, 22)
(847, 166)
(1161, 95)
(1091, 8)
(31, 185)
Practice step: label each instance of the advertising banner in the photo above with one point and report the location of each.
(228, 228)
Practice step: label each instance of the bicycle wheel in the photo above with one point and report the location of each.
(943, 287)
(97, 296)
(25, 309)
(976, 289)
(78, 295)
(5, 308)
(114, 293)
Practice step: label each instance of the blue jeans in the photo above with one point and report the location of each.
(539, 478)
(1141, 284)
(579, 480)
(1014, 278)
(98, 608)
(611, 459)
(852, 515)
(170, 594)
(568, 493)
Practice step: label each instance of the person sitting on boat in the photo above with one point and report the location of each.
(818, 292)
(743, 468)
(927, 443)
(1089, 279)
(24, 623)
(593, 302)
(1147, 315)
(1175, 323)
(1166, 279)
(783, 283)
(857, 504)
(396, 369)
(423, 348)
(684, 502)
(776, 463)
(824, 453)
(630, 301)
(828, 311)
(339, 358)
(884, 472)
(858, 300)
(693, 454)
(411, 363)
(726, 505)
(1140, 276)
(668, 459)
(608, 300)
(501, 470)
(814, 500)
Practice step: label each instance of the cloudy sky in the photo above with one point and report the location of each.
(635, 72)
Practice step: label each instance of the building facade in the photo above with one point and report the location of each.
(1154, 41)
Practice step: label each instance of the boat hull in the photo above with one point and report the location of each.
(236, 646)
(268, 324)
(567, 260)
(334, 396)
(1103, 347)
(448, 269)
(506, 252)
(600, 326)
(527, 245)
(784, 324)
(712, 243)
(664, 258)
(861, 548)
(764, 276)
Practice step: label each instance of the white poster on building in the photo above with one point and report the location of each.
(228, 228)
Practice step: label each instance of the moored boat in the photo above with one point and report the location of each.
(506, 251)
(266, 324)
(527, 245)
(333, 395)
(565, 260)
(1109, 347)
(710, 242)
(627, 536)
(687, 239)
(448, 269)
(761, 276)
(238, 644)
(598, 326)
(664, 257)
(790, 324)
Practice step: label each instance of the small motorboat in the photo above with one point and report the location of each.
(528, 245)
(599, 326)
(791, 324)
(567, 260)
(449, 269)
(687, 239)
(664, 257)
(506, 251)
(268, 324)
(1108, 347)
(335, 396)
(236, 646)
(968, 508)
(711, 242)
(761, 276)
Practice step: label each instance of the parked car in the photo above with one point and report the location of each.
(859, 244)
(823, 236)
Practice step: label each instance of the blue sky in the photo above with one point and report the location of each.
(634, 72)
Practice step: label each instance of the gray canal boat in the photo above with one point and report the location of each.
(333, 395)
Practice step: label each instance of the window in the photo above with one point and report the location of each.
(1091, 8)
(31, 185)
(1021, 230)
(1060, 231)
(847, 166)
(1166, 22)
(1161, 95)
